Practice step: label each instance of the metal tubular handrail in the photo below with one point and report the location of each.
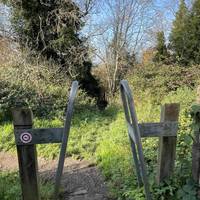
(136, 146)
(66, 130)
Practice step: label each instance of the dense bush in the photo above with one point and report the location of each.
(159, 80)
(35, 85)
(52, 30)
(39, 86)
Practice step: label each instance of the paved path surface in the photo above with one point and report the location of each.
(81, 179)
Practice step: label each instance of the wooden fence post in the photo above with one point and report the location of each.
(27, 156)
(195, 113)
(167, 145)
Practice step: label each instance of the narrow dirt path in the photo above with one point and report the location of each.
(81, 179)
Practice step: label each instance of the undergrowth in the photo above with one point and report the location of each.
(10, 187)
(102, 138)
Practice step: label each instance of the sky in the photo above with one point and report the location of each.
(4, 22)
(161, 11)
(159, 16)
(160, 5)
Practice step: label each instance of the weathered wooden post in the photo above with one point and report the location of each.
(195, 113)
(167, 145)
(27, 155)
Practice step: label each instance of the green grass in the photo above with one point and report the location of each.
(102, 137)
(10, 187)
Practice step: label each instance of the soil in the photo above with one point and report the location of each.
(81, 180)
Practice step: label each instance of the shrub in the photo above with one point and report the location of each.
(38, 86)
(35, 85)
(159, 80)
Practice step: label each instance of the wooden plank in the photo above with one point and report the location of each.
(167, 145)
(40, 136)
(54, 135)
(27, 157)
(155, 129)
(158, 129)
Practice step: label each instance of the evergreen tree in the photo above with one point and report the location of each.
(161, 48)
(179, 37)
(50, 28)
(194, 33)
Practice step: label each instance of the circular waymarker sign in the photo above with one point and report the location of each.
(26, 138)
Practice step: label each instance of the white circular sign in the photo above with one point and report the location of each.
(26, 138)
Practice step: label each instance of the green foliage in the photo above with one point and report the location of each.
(38, 86)
(114, 154)
(10, 187)
(158, 80)
(7, 137)
(50, 28)
(33, 85)
(188, 191)
(193, 36)
(88, 120)
(184, 39)
(179, 34)
(102, 137)
(161, 49)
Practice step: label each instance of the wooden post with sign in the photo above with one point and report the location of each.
(26, 139)
(27, 155)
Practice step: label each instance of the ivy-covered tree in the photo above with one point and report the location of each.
(179, 41)
(161, 54)
(50, 28)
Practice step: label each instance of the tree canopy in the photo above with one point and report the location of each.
(179, 36)
(161, 48)
(193, 33)
(185, 37)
